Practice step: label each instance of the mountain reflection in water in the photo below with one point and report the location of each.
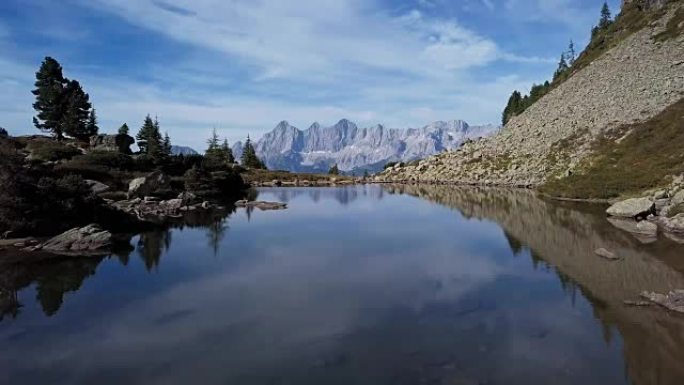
(354, 285)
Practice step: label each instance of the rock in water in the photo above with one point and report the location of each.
(673, 300)
(91, 239)
(148, 185)
(261, 205)
(632, 208)
(607, 254)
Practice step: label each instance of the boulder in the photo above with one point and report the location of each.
(632, 208)
(91, 239)
(276, 183)
(677, 198)
(116, 143)
(96, 187)
(674, 224)
(147, 185)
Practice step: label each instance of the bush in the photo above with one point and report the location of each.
(218, 184)
(51, 150)
(108, 159)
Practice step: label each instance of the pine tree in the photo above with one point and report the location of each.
(91, 126)
(606, 17)
(571, 55)
(334, 170)
(77, 112)
(228, 152)
(49, 92)
(123, 130)
(249, 156)
(144, 134)
(513, 108)
(166, 145)
(562, 67)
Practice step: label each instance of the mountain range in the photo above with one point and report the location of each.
(356, 149)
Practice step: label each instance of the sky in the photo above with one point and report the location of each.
(242, 66)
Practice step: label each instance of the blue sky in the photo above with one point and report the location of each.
(244, 65)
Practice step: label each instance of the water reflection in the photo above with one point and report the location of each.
(355, 285)
(563, 237)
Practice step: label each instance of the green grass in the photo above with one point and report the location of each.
(262, 176)
(674, 27)
(628, 160)
(51, 150)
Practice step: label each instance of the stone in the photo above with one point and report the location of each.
(115, 143)
(187, 197)
(677, 198)
(674, 224)
(632, 208)
(607, 254)
(96, 187)
(662, 194)
(644, 231)
(148, 185)
(673, 300)
(84, 240)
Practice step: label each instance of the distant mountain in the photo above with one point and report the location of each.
(356, 149)
(183, 150)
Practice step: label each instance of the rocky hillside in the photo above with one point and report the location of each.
(358, 149)
(630, 84)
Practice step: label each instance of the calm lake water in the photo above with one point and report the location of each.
(355, 285)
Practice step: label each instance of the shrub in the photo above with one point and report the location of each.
(51, 150)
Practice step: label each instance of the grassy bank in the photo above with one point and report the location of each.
(628, 160)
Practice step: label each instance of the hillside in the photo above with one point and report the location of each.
(636, 80)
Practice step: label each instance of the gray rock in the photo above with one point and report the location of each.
(96, 187)
(147, 185)
(188, 198)
(674, 224)
(632, 208)
(677, 198)
(662, 194)
(115, 143)
(673, 300)
(607, 254)
(91, 239)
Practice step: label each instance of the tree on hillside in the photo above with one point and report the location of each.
(62, 105)
(77, 113)
(249, 156)
(513, 107)
(334, 170)
(571, 54)
(149, 138)
(166, 145)
(562, 67)
(606, 17)
(91, 125)
(123, 130)
(218, 155)
(228, 152)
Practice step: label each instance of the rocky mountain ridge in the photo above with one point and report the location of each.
(354, 148)
(631, 83)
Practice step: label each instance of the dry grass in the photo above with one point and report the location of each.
(647, 157)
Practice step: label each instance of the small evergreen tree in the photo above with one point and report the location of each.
(334, 170)
(149, 139)
(562, 67)
(123, 130)
(91, 126)
(166, 145)
(606, 17)
(571, 54)
(50, 103)
(249, 156)
(77, 113)
(228, 152)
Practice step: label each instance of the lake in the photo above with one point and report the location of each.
(355, 285)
